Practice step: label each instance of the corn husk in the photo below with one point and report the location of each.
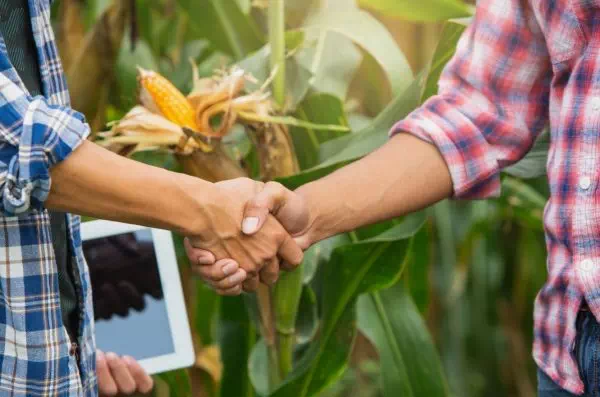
(140, 130)
(219, 103)
(209, 360)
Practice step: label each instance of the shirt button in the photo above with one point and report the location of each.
(596, 103)
(587, 265)
(585, 182)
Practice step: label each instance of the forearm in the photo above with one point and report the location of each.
(405, 175)
(93, 181)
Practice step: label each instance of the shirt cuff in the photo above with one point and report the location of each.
(474, 170)
(49, 134)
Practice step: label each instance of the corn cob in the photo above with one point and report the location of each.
(167, 99)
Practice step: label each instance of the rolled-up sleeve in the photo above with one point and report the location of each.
(492, 100)
(34, 136)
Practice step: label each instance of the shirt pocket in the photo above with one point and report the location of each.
(565, 37)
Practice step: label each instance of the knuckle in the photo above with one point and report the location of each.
(252, 270)
(275, 186)
(200, 272)
(227, 283)
(216, 275)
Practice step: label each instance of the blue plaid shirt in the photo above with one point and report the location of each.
(37, 357)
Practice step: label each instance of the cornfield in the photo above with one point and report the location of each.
(438, 303)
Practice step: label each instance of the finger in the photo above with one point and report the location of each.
(143, 381)
(286, 266)
(234, 291)
(251, 284)
(270, 272)
(232, 281)
(106, 383)
(290, 252)
(120, 373)
(258, 208)
(217, 272)
(198, 256)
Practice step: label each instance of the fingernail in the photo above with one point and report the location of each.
(100, 356)
(230, 268)
(111, 356)
(237, 278)
(249, 224)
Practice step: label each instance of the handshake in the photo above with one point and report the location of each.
(253, 230)
(246, 230)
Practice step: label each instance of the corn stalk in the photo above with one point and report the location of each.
(166, 118)
(70, 30)
(278, 159)
(91, 66)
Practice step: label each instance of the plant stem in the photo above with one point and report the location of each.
(286, 295)
(277, 42)
(267, 330)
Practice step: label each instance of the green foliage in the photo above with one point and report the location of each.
(420, 290)
(236, 338)
(224, 25)
(410, 365)
(443, 53)
(360, 27)
(352, 147)
(422, 10)
(323, 109)
(353, 269)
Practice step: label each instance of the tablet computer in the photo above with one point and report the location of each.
(138, 299)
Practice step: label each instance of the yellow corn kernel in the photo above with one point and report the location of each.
(168, 99)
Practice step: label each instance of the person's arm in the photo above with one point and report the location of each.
(95, 182)
(405, 175)
(46, 162)
(492, 104)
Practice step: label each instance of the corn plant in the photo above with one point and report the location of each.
(336, 82)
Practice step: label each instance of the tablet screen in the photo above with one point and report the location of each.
(130, 310)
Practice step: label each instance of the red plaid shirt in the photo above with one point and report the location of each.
(521, 65)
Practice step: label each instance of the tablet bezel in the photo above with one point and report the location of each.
(164, 249)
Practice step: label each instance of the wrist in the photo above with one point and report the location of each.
(195, 197)
(317, 229)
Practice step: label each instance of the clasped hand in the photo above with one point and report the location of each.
(253, 230)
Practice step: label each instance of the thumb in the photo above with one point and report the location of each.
(272, 197)
(303, 241)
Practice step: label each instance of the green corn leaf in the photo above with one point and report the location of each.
(444, 51)
(224, 24)
(354, 146)
(236, 338)
(354, 269)
(422, 10)
(361, 27)
(409, 362)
